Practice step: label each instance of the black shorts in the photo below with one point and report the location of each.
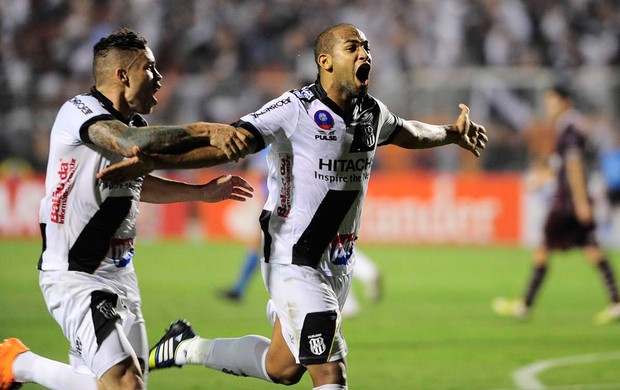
(563, 231)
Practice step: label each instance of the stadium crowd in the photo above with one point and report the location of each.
(220, 59)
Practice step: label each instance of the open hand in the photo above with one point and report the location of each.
(226, 187)
(131, 168)
(473, 137)
(231, 141)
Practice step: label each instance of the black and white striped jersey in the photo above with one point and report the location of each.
(319, 167)
(86, 225)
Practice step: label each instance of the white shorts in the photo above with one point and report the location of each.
(87, 308)
(308, 304)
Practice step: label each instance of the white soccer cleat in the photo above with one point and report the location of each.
(609, 315)
(510, 307)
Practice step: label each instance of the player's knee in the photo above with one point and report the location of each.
(123, 376)
(541, 257)
(132, 381)
(285, 375)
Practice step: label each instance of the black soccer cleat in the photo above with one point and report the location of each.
(163, 354)
(231, 295)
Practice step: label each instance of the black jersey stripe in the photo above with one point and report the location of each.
(265, 215)
(323, 227)
(93, 243)
(43, 244)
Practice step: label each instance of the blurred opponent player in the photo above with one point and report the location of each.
(570, 221)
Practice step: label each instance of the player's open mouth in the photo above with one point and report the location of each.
(363, 73)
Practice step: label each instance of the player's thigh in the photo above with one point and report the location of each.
(280, 362)
(89, 310)
(308, 304)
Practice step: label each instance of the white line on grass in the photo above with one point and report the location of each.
(525, 378)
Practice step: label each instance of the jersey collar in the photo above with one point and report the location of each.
(318, 91)
(133, 120)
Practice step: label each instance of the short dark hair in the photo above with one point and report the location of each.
(562, 90)
(324, 43)
(121, 39)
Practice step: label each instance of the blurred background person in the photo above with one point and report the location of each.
(570, 219)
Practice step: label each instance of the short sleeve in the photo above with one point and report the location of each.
(574, 143)
(389, 125)
(76, 115)
(276, 119)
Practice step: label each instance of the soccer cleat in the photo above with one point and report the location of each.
(163, 354)
(231, 295)
(9, 349)
(609, 315)
(510, 308)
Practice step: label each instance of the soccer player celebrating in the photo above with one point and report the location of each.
(570, 220)
(88, 227)
(323, 140)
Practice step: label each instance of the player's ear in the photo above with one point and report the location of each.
(325, 61)
(121, 74)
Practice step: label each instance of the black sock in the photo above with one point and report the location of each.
(609, 279)
(536, 279)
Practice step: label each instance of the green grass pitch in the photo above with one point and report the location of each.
(434, 328)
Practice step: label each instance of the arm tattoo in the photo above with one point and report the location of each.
(116, 136)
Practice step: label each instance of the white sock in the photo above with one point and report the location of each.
(331, 387)
(29, 367)
(244, 356)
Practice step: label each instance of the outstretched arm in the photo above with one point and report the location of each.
(143, 163)
(464, 132)
(116, 136)
(159, 190)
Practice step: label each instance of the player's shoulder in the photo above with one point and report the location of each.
(305, 94)
(85, 103)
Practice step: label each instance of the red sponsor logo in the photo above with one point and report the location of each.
(285, 186)
(61, 193)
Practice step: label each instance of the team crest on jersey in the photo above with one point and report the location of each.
(317, 345)
(364, 128)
